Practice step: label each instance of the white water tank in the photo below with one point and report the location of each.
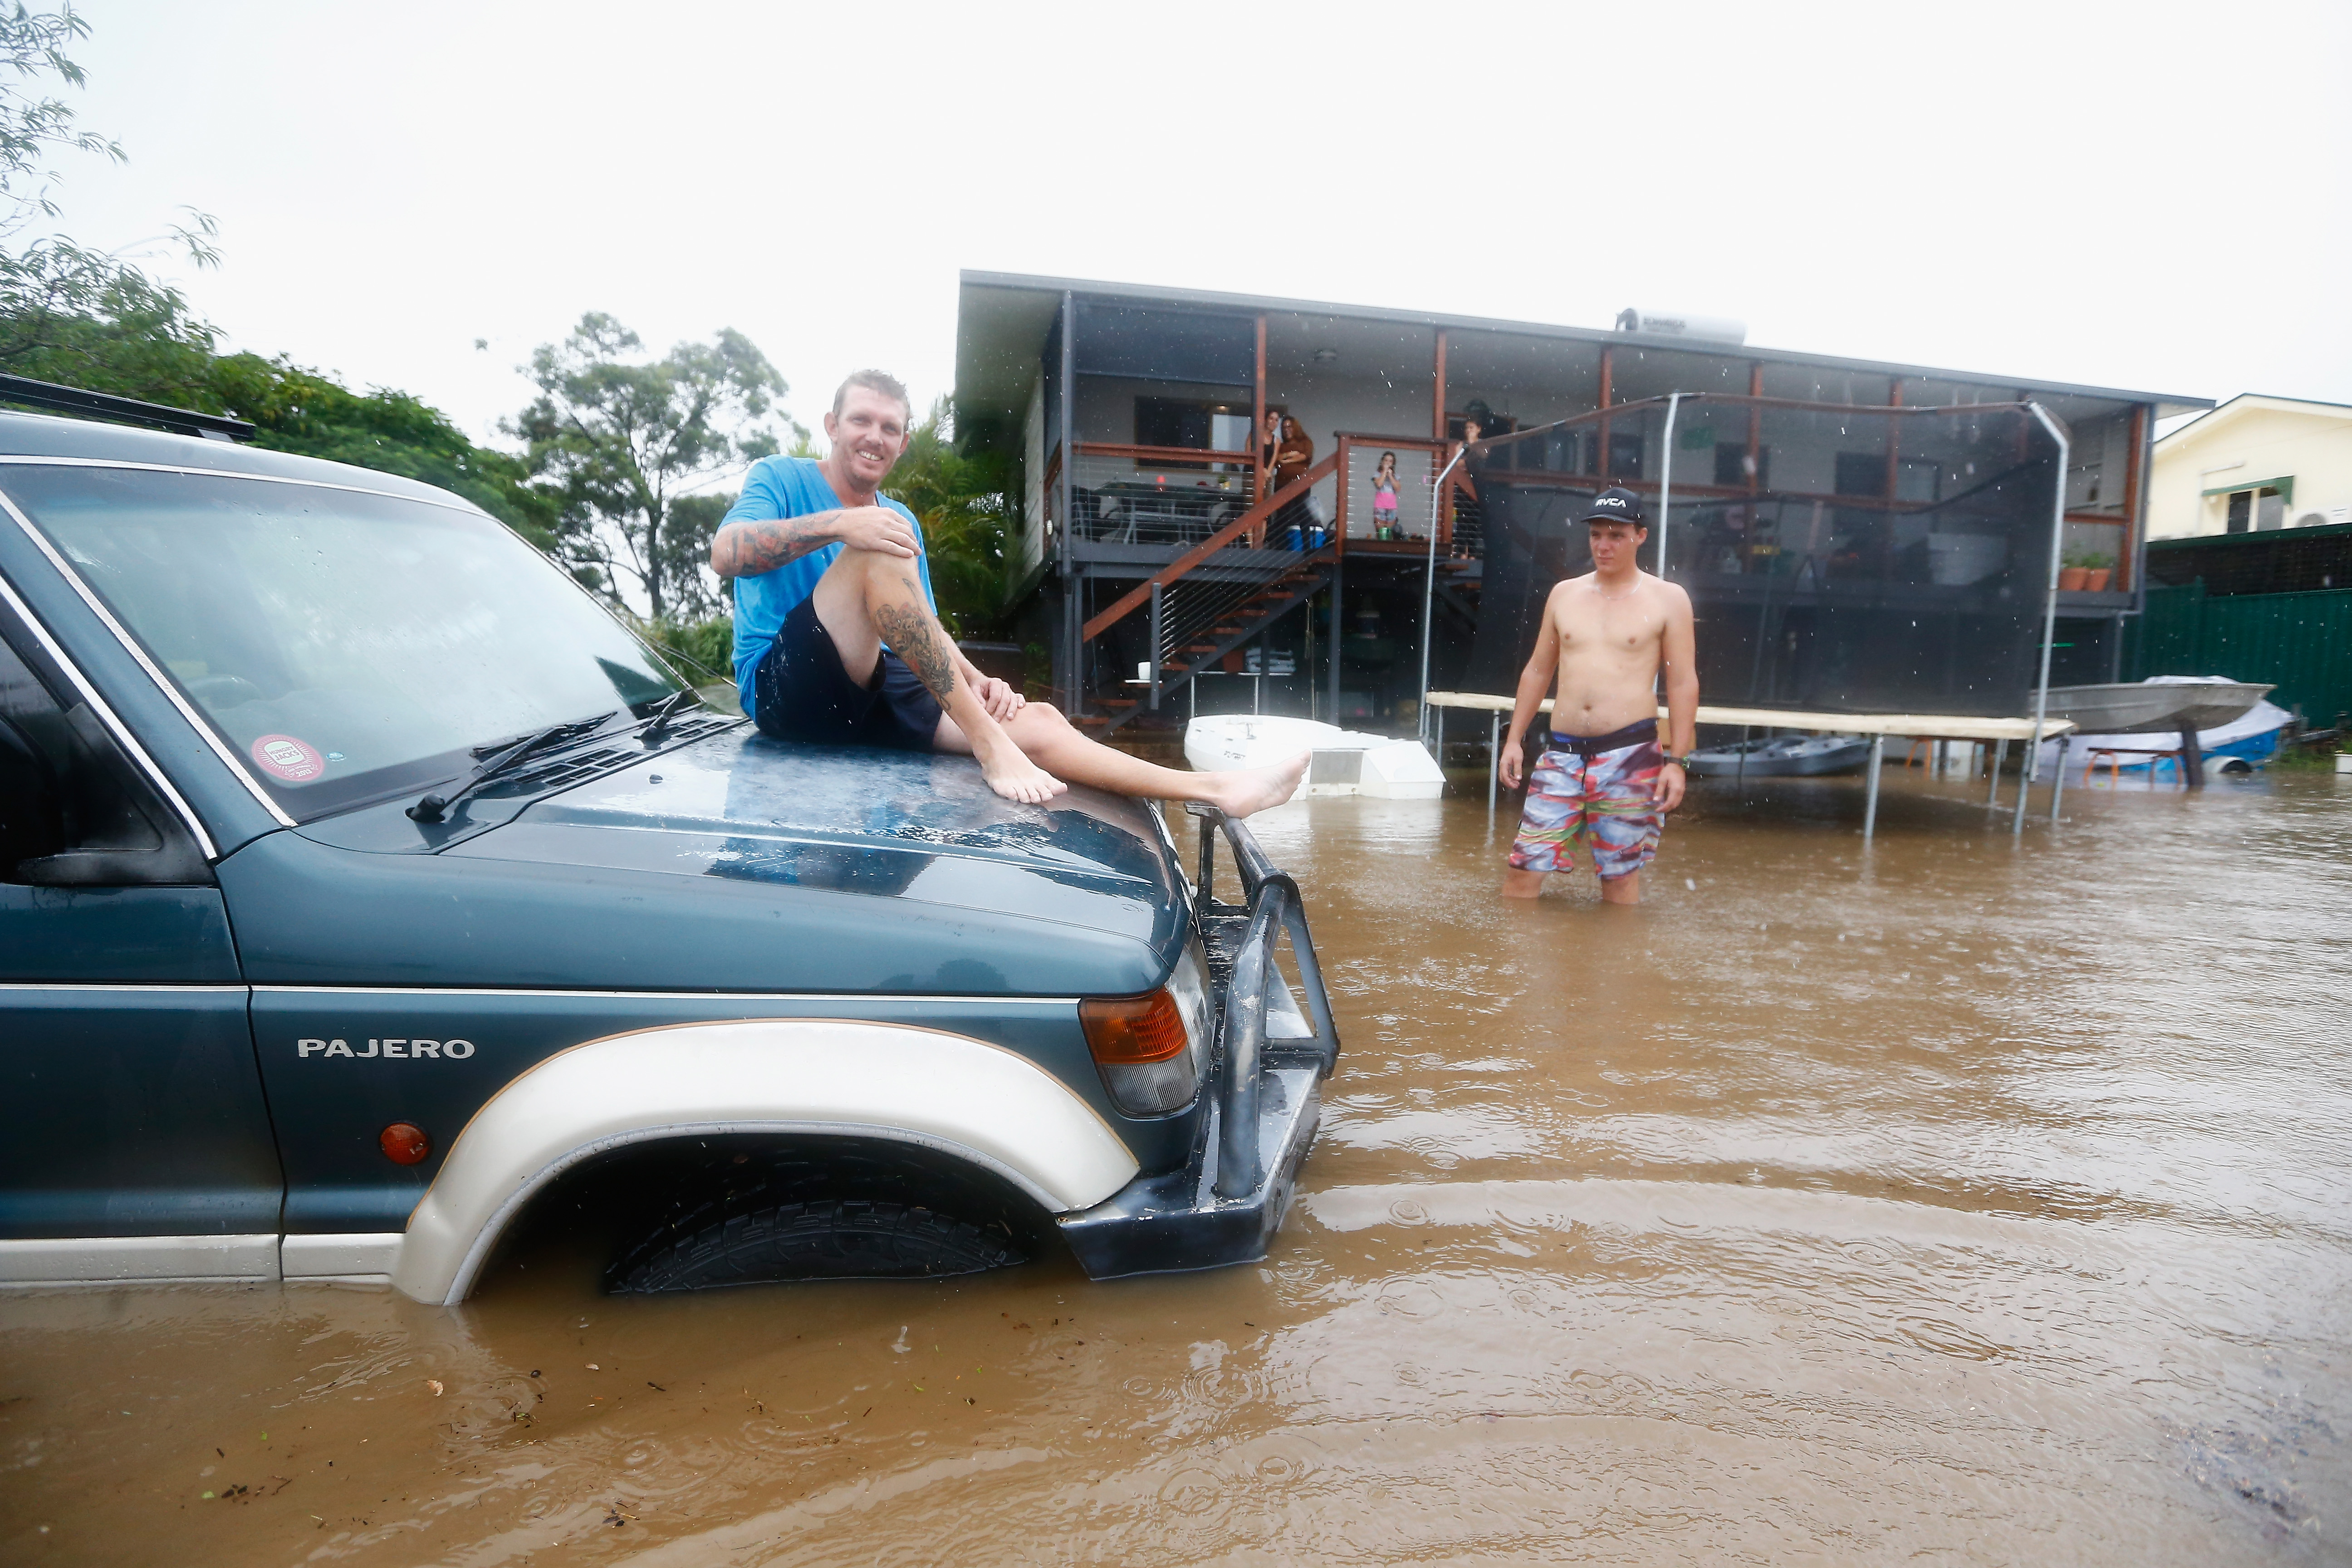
(1681, 324)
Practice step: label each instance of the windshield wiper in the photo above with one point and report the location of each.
(658, 720)
(434, 807)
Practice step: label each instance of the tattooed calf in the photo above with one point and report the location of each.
(908, 629)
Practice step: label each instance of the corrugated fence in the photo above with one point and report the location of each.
(2303, 642)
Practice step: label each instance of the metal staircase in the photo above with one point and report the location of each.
(1213, 599)
(1211, 611)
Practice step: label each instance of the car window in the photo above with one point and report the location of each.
(73, 811)
(347, 645)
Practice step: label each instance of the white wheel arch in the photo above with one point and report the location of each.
(961, 1096)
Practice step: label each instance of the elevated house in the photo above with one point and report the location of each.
(1857, 536)
(2255, 465)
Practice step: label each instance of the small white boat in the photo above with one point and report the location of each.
(1345, 762)
(1782, 756)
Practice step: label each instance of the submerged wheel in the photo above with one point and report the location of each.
(845, 1238)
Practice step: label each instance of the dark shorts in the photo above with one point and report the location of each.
(800, 692)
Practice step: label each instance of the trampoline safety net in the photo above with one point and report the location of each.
(1839, 559)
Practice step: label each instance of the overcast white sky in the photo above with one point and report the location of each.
(2155, 197)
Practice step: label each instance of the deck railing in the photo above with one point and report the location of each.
(1420, 507)
(1157, 495)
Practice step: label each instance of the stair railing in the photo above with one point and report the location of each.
(1265, 508)
(1195, 614)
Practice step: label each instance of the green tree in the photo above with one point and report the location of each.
(61, 303)
(89, 318)
(963, 501)
(685, 551)
(298, 410)
(621, 441)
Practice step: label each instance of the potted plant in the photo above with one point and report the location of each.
(2096, 571)
(2073, 573)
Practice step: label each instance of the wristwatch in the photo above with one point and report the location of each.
(1682, 762)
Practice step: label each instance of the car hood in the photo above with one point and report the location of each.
(879, 823)
(735, 863)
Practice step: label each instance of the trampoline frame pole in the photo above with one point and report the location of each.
(1428, 593)
(1870, 797)
(1667, 481)
(2049, 611)
(1494, 758)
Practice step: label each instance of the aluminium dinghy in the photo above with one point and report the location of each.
(1782, 756)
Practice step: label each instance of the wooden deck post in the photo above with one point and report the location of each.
(2127, 549)
(1755, 434)
(1894, 436)
(1438, 408)
(1607, 369)
(1257, 427)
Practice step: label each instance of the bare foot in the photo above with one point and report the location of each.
(1011, 774)
(1247, 791)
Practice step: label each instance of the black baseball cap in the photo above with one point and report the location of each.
(1615, 504)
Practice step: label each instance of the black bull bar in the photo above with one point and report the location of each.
(1225, 1205)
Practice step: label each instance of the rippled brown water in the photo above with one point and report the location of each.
(1948, 1202)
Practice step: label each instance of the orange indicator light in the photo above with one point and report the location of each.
(404, 1143)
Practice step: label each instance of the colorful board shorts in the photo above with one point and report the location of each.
(1606, 794)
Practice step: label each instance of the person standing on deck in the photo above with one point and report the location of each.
(1610, 636)
(1287, 454)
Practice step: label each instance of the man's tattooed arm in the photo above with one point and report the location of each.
(749, 546)
(911, 634)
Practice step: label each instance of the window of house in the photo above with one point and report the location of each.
(1625, 454)
(1861, 473)
(1191, 423)
(2257, 511)
(1731, 466)
(1920, 479)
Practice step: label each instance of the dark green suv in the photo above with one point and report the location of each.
(367, 890)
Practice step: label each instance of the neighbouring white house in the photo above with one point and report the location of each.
(2252, 464)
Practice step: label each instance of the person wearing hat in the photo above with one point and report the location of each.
(1610, 638)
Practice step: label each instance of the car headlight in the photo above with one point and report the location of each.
(1151, 1048)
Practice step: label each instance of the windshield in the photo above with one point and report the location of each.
(347, 645)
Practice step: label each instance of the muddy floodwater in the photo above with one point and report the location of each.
(1944, 1203)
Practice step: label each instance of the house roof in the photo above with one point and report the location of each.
(1004, 318)
(2232, 411)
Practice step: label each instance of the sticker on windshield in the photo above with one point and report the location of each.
(284, 757)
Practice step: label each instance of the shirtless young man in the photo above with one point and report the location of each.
(827, 570)
(1609, 634)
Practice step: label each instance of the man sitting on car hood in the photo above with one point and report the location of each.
(838, 641)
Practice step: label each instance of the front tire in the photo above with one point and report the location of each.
(830, 1239)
